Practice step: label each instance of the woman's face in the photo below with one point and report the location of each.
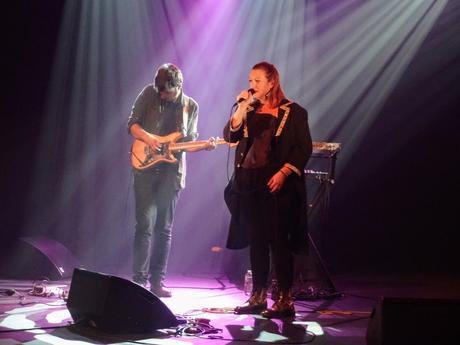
(259, 82)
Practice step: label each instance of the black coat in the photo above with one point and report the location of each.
(292, 146)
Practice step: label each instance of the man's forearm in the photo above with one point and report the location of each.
(138, 132)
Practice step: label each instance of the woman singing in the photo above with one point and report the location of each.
(267, 198)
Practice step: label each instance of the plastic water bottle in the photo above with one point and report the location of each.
(248, 282)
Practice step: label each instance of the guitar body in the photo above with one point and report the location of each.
(144, 157)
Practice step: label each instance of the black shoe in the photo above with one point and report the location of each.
(255, 304)
(161, 291)
(250, 308)
(282, 308)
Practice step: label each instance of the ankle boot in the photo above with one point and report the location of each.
(255, 304)
(283, 307)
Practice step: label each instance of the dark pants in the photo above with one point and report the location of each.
(268, 218)
(156, 194)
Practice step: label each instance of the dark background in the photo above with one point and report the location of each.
(395, 206)
(29, 37)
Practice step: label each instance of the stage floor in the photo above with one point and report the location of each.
(30, 319)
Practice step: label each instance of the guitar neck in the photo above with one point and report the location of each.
(191, 145)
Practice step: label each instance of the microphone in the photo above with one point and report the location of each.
(251, 91)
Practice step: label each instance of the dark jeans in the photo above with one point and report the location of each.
(156, 194)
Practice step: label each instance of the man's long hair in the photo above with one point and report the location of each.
(276, 94)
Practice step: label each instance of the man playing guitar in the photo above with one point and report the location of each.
(160, 109)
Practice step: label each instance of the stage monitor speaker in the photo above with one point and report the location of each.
(37, 257)
(421, 321)
(61, 259)
(116, 305)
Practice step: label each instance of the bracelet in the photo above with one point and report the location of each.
(281, 171)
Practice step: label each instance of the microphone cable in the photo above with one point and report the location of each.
(228, 146)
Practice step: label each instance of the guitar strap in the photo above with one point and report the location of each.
(185, 115)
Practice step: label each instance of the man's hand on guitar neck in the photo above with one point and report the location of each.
(211, 144)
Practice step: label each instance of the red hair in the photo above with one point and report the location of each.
(276, 94)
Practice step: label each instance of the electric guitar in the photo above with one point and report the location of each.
(144, 157)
